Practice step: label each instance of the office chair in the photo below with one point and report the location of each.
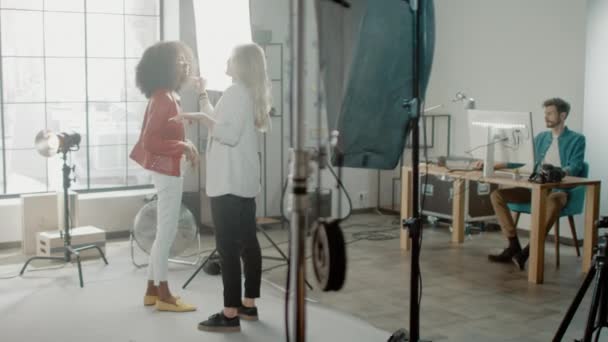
(574, 206)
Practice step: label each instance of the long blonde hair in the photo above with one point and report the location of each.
(249, 63)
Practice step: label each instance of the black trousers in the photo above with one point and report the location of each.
(236, 239)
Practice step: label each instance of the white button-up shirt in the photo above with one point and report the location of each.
(233, 165)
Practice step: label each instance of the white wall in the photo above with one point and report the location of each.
(111, 211)
(596, 101)
(273, 16)
(10, 216)
(509, 55)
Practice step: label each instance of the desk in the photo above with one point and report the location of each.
(538, 212)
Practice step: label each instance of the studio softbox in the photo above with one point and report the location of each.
(366, 61)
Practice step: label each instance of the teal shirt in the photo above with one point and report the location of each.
(571, 147)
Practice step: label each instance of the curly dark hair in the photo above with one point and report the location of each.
(561, 105)
(158, 67)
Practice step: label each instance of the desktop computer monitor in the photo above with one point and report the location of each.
(500, 136)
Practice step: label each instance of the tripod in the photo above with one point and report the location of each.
(598, 314)
(67, 239)
(263, 231)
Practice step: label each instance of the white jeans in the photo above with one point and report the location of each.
(169, 192)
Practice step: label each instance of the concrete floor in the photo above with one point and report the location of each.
(465, 298)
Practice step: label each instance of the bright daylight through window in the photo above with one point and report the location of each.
(70, 65)
(220, 25)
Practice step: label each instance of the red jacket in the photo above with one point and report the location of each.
(161, 142)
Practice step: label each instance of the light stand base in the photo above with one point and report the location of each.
(67, 240)
(67, 258)
(402, 335)
(283, 257)
(201, 267)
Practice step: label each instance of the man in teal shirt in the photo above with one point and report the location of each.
(558, 146)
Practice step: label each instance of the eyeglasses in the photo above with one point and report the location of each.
(183, 63)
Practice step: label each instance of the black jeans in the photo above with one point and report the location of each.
(235, 237)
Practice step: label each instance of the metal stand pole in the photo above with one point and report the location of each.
(299, 179)
(414, 223)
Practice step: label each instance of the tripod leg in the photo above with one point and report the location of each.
(103, 256)
(78, 263)
(39, 258)
(80, 271)
(25, 265)
(601, 319)
(285, 257)
(595, 303)
(603, 310)
(273, 243)
(199, 269)
(77, 255)
(575, 303)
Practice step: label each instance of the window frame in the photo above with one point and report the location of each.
(128, 101)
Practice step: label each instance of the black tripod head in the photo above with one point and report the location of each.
(602, 222)
(600, 249)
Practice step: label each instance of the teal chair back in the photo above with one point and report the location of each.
(576, 199)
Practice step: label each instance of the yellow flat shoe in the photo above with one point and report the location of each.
(150, 300)
(179, 306)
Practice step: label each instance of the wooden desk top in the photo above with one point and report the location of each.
(502, 178)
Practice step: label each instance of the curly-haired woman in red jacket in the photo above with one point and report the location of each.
(162, 149)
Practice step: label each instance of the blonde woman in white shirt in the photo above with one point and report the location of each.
(233, 181)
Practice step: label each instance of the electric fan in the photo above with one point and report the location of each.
(187, 240)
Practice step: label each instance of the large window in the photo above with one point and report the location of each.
(70, 65)
(216, 37)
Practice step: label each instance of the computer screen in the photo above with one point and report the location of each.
(509, 135)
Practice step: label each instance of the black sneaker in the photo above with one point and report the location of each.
(220, 323)
(248, 314)
(520, 258)
(504, 257)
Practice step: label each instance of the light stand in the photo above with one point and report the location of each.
(414, 223)
(299, 177)
(67, 239)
